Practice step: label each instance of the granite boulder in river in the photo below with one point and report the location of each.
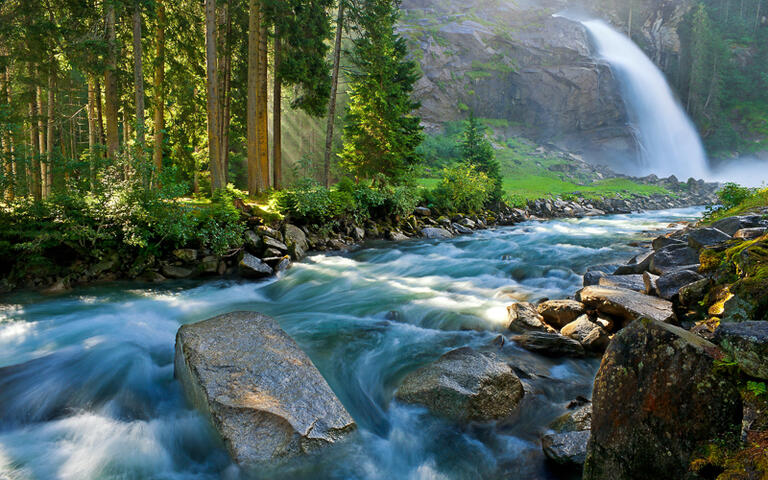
(260, 390)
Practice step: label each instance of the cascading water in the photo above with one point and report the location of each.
(669, 141)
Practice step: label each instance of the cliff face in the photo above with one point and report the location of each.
(517, 62)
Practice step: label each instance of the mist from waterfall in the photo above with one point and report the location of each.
(669, 141)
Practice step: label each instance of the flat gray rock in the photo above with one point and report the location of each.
(252, 267)
(670, 284)
(672, 258)
(630, 282)
(550, 344)
(260, 391)
(707, 237)
(626, 304)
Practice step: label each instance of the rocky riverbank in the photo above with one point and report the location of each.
(680, 388)
(269, 248)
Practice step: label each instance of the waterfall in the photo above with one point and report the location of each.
(669, 141)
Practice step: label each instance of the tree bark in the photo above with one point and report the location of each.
(255, 182)
(10, 165)
(92, 130)
(262, 121)
(277, 151)
(225, 70)
(138, 78)
(34, 171)
(99, 115)
(217, 179)
(159, 88)
(334, 90)
(110, 84)
(41, 137)
(49, 142)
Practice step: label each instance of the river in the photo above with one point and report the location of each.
(88, 392)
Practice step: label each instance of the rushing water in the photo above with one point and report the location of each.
(89, 393)
(669, 140)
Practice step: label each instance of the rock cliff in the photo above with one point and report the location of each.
(517, 62)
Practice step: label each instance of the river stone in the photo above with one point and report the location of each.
(630, 282)
(578, 420)
(253, 267)
(172, 271)
(626, 304)
(637, 265)
(559, 313)
(593, 278)
(436, 233)
(649, 281)
(693, 293)
(750, 233)
(665, 241)
(671, 258)
(550, 344)
(464, 385)
(422, 211)
(579, 328)
(657, 397)
(670, 284)
(274, 243)
(253, 242)
(567, 449)
(706, 237)
(260, 391)
(523, 316)
(296, 241)
(747, 343)
(729, 225)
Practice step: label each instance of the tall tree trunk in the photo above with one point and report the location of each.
(225, 75)
(110, 84)
(334, 90)
(277, 150)
(159, 88)
(49, 142)
(34, 142)
(138, 78)
(10, 165)
(255, 181)
(262, 118)
(41, 137)
(92, 131)
(217, 179)
(99, 115)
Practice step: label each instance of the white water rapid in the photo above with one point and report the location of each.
(669, 140)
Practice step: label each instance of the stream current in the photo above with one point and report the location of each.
(87, 388)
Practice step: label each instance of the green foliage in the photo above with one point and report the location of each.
(477, 150)
(463, 188)
(381, 132)
(757, 388)
(735, 199)
(733, 194)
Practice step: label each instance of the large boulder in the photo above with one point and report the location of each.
(669, 285)
(747, 344)
(524, 316)
(707, 237)
(626, 304)
(657, 397)
(550, 344)
(559, 313)
(671, 258)
(296, 241)
(464, 385)
(260, 391)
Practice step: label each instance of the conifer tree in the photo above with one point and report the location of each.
(477, 150)
(381, 131)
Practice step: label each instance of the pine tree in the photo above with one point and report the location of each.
(381, 131)
(477, 150)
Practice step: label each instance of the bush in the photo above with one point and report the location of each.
(463, 188)
(733, 194)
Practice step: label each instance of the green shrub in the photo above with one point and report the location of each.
(463, 188)
(733, 194)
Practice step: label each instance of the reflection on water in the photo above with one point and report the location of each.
(87, 391)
